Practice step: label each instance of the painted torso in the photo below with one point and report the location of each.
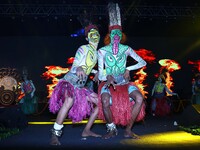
(159, 87)
(86, 57)
(115, 64)
(27, 87)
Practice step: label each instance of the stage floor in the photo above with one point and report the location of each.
(155, 133)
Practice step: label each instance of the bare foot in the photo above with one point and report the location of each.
(54, 140)
(89, 133)
(110, 134)
(129, 134)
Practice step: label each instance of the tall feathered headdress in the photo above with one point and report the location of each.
(114, 16)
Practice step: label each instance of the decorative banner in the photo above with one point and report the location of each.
(168, 66)
(53, 72)
(141, 75)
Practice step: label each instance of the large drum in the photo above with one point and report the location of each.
(8, 86)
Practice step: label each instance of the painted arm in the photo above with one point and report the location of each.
(170, 92)
(140, 62)
(78, 59)
(153, 90)
(101, 72)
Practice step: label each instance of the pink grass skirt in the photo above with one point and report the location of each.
(80, 109)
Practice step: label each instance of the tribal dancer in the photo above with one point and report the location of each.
(159, 104)
(120, 101)
(70, 97)
(29, 102)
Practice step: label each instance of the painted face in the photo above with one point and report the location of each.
(115, 36)
(93, 36)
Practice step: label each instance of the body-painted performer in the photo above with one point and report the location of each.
(159, 104)
(196, 89)
(29, 101)
(120, 100)
(70, 97)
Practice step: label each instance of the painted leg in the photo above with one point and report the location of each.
(136, 95)
(62, 114)
(111, 127)
(87, 130)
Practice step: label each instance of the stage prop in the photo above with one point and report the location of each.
(9, 86)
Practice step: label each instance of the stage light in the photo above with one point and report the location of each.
(175, 139)
(79, 32)
(73, 35)
(66, 121)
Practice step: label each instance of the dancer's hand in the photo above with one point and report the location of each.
(127, 75)
(80, 73)
(110, 81)
(96, 79)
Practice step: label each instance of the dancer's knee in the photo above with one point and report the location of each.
(105, 99)
(68, 102)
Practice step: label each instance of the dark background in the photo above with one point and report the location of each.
(36, 41)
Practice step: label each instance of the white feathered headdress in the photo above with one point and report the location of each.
(114, 16)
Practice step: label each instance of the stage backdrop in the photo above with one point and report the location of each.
(36, 52)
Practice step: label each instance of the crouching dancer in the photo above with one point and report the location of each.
(70, 97)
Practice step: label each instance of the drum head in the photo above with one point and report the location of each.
(8, 82)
